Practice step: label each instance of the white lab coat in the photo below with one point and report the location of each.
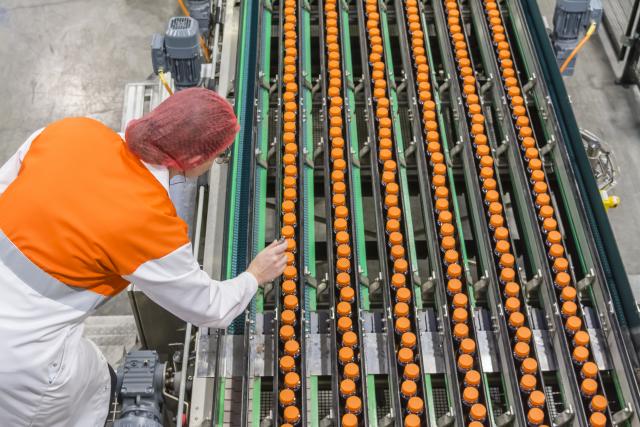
(49, 374)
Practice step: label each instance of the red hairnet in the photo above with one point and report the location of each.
(183, 132)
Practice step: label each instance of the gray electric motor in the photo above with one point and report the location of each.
(178, 51)
(140, 385)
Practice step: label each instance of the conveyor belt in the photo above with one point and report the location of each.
(419, 290)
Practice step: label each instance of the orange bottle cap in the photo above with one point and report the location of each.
(568, 293)
(343, 251)
(408, 339)
(353, 405)
(454, 286)
(468, 346)
(521, 350)
(512, 304)
(349, 420)
(507, 260)
(460, 300)
(460, 331)
(528, 382)
(395, 238)
(574, 323)
(470, 395)
(411, 371)
(489, 184)
(343, 279)
(288, 317)
(351, 370)
(581, 338)
(403, 295)
(448, 243)
(408, 388)
(342, 237)
(599, 403)
(397, 251)
(392, 188)
(415, 405)
(556, 251)
(478, 412)
(442, 205)
(554, 237)
(529, 365)
(538, 176)
(338, 200)
(589, 370)
(589, 387)
(451, 256)
(289, 218)
(560, 264)
(401, 309)
(287, 397)
(343, 309)
(291, 380)
(340, 188)
(345, 354)
(291, 302)
(447, 229)
(472, 378)
(507, 275)
(347, 387)
(562, 279)
(454, 271)
(465, 362)
(569, 308)
(350, 339)
(288, 287)
(385, 155)
(483, 150)
(460, 315)
(516, 319)
(405, 355)
(491, 196)
(486, 173)
(580, 354)
(287, 363)
(535, 416)
(398, 280)
(537, 398)
(290, 194)
(445, 217)
(442, 192)
(287, 232)
(523, 334)
(545, 211)
(292, 347)
(511, 289)
(399, 265)
(347, 294)
(287, 332)
(495, 208)
(403, 325)
(598, 419)
(345, 323)
(540, 187)
(412, 420)
(291, 414)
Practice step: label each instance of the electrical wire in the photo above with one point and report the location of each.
(203, 45)
(574, 52)
(164, 82)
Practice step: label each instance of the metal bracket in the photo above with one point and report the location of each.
(622, 415)
(375, 285)
(586, 282)
(502, 148)
(505, 419)
(264, 83)
(323, 285)
(309, 279)
(457, 149)
(428, 287)
(564, 418)
(548, 146)
(485, 87)
(443, 87)
(533, 284)
(383, 5)
(446, 420)
(402, 86)
(267, 5)
(530, 84)
(345, 5)
(364, 280)
(319, 148)
(480, 287)
(260, 160)
(386, 421)
(327, 421)
(306, 6)
(410, 149)
(366, 148)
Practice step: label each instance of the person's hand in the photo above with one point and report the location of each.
(269, 263)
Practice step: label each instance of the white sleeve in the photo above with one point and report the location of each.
(9, 171)
(177, 283)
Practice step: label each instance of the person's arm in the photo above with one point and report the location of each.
(177, 283)
(9, 171)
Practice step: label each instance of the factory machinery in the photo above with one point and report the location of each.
(450, 261)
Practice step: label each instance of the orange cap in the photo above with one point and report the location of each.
(345, 354)
(589, 370)
(393, 225)
(290, 302)
(291, 380)
(556, 251)
(287, 397)
(536, 399)
(415, 405)
(343, 264)
(460, 315)
(529, 365)
(403, 325)
(411, 371)
(288, 317)
(523, 334)
(448, 243)
(395, 238)
(521, 350)
(544, 211)
(351, 370)
(454, 286)
(400, 266)
(516, 319)
(511, 289)
(507, 260)
(528, 382)
(540, 187)
(589, 387)
(397, 251)
(398, 280)
(568, 293)
(451, 256)
(287, 363)
(447, 229)
(478, 412)
(581, 338)
(288, 287)
(349, 420)
(535, 416)
(465, 362)
(347, 387)
(405, 355)
(470, 395)
(401, 309)
(598, 419)
(560, 263)
(409, 388)
(347, 294)
(353, 405)
(343, 309)
(412, 420)
(403, 295)
(287, 333)
(512, 304)
(460, 331)
(460, 300)
(408, 339)
(554, 237)
(343, 279)
(573, 323)
(599, 403)
(342, 237)
(467, 346)
(345, 323)
(290, 272)
(291, 414)
(454, 271)
(292, 347)
(562, 279)
(569, 308)
(580, 354)
(349, 339)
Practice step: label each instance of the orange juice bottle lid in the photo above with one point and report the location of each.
(412, 420)
(528, 382)
(448, 242)
(556, 251)
(451, 256)
(486, 173)
(496, 221)
(415, 405)
(400, 266)
(523, 334)
(343, 279)
(345, 354)
(549, 224)
(408, 388)
(287, 232)
(433, 146)
(388, 177)
(289, 218)
(336, 153)
(468, 346)
(491, 196)
(290, 106)
(290, 272)
(291, 414)
(289, 127)
(408, 339)
(353, 405)
(436, 158)
(350, 339)
(351, 370)
(511, 289)
(470, 395)
(290, 302)
(411, 371)
(528, 142)
(376, 75)
(544, 211)
(338, 200)
(460, 315)
(508, 72)
(472, 378)
(568, 293)
(476, 129)
(535, 416)
(347, 293)
(395, 238)
(349, 420)
(554, 237)
(483, 150)
(397, 252)
(589, 387)
(599, 403)
(439, 169)
(454, 271)
(454, 286)
(581, 339)
(573, 323)
(445, 217)
(460, 331)
(287, 397)
(392, 188)
(292, 347)
(343, 309)
(385, 143)
(290, 194)
(393, 225)
(580, 354)
(521, 350)
(466, 71)
(465, 362)
(345, 323)
(460, 300)
(506, 259)
(442, 192)
(398, 280)
(562, 279)
(401, 309)
(287, 363)
(289, 137)
(598, 419)
(405, 355)
(476, 118)
(385, 154)
(489, 184)
(447, 230)
(287, 332)
(522, 121)
(403, 325)
(434, 137)
(373, 57)
(508, 275)
(495, 208)
(340, 211)
(536, 399)
(288, 287)
(569, 308)
(403, 295)
(516, 319)
(381, 112)
(291, 170)
(589, 370)
(478, 412)
(343, 251)
(529, 365)
(525, 131)
(512, 304)
(288, 317)
(289, 182)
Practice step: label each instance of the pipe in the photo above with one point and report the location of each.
(574, 52)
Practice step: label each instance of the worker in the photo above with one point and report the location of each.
(83, 213)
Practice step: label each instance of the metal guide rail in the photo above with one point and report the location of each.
(434, 273)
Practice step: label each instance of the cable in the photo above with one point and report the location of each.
(203, 45)
(164, 82)
(590, 31)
